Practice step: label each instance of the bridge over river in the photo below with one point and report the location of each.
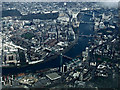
(59, 53)
(88, 36)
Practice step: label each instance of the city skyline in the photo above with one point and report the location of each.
(60, 44)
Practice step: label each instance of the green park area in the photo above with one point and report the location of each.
(100, 58)
(27, 35)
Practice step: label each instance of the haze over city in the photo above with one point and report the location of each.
(60, 44)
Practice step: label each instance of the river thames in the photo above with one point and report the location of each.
(82, 43)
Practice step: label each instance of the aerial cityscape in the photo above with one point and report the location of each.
(60, 45)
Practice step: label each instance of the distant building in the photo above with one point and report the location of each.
(11, 58)
(28, 81)
(53, 76)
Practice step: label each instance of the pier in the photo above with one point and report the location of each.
(83, 22)
(88, 36)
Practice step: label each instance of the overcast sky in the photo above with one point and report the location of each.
(114, 3)
(60, 0)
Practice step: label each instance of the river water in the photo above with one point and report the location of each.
(81, 44)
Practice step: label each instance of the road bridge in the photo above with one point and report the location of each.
(67, 57)
(86, 36)
(83, 22)
(64, 56)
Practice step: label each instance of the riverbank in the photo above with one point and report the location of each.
(51, 58)
(75, 48)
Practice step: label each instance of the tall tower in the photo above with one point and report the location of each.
(103, 15)
(57, 33)
(93, 16)
(61, 62)
(81, 76)
(64, 68)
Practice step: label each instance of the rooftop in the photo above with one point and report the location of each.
(53, 76)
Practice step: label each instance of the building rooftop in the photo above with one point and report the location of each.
(53, 76)
(28, 80)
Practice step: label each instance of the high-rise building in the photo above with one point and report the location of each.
(57, 33)
(64, 68)
(81, 76)
(61, 62)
